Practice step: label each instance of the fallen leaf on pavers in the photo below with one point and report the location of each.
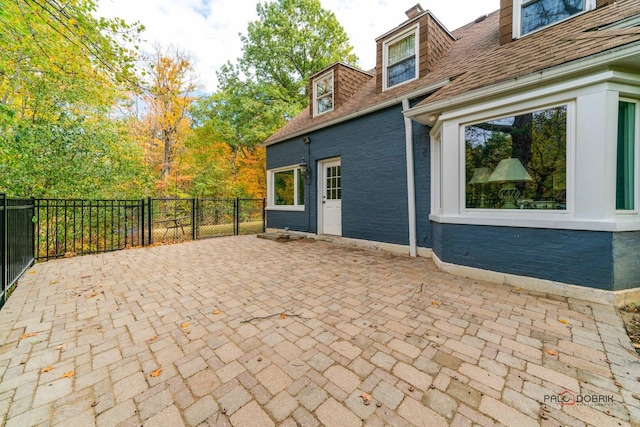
(61, 346)
(434, 302)
(68, 374)
(155, 373)
(552, 352)
(153, 338)
(366, 398)
(53, 282)
(32, 272)
(184, 325)
(47, 369)
(563, 321)
(517, 289)
(216, 311)
(29, 335)
(95, 294)
(283, 316)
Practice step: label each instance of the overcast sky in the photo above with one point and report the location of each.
(208, 29)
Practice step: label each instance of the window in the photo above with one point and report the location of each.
(286, 188)
(518, 162)
(323, 94)
(626, 155)
(400, 59)
(531, 15)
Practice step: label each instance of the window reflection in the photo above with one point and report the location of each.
(518, 162)
(540, 13)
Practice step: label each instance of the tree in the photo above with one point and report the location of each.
(167, 98)
(291, 40)
(61, 72)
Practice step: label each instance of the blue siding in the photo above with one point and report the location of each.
(374, 177)
(422, 173)
(626, 259)
(569, 256)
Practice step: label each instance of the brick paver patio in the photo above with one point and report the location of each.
(248, 332)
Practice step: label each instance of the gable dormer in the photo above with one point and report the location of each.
(411, 50)
(521, 17)
(333, 86)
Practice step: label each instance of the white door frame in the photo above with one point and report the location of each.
(321, 180)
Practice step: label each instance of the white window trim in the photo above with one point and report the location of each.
(385, 56)
(636, 178)
(517, 16)
(271, 193)
(315, 93)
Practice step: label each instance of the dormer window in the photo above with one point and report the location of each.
(323, 94)
(400, 59)
(532, 15)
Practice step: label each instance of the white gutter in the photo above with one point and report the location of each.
(411, 185)
(384, 104)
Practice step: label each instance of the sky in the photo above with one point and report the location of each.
(209, 29)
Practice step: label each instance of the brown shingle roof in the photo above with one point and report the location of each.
(477, 60)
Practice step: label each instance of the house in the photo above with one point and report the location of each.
(507, 149)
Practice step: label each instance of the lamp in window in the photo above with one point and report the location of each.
(509, 171)
(480, 177)
(305, 172)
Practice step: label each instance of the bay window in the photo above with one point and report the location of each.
(627, 147)
(517, 162)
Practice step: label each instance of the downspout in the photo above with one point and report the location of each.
(411, 185)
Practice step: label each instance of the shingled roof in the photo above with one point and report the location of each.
(477, 60)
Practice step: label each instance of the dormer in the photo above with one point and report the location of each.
(521, 17)
(333, 86)
(411, 50)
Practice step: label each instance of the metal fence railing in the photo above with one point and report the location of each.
(81, 227)
(16, 241)
(41, 229)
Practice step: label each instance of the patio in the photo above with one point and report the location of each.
(249, 332)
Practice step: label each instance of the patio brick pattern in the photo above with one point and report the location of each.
(249, 332)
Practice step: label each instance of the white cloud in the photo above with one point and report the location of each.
(209, 29)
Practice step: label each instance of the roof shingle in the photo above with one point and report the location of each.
(477, 60)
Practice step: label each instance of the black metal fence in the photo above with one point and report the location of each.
(16, 241)
(81, 227)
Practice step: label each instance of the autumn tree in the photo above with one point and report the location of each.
(169, 91)
(291, 40)
(61, 72)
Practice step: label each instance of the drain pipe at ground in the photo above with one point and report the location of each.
(411, 187)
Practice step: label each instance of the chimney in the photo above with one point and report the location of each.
(414, 11)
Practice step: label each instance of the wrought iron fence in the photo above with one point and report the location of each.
(16, 241)
(80, 227)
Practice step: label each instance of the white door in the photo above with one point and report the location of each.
(331, 198)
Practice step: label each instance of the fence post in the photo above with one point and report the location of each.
(33, 229)
(5, 264)
(264, 215)
(150, 218)
(194, 206)
(141, 222)
(236, 219)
